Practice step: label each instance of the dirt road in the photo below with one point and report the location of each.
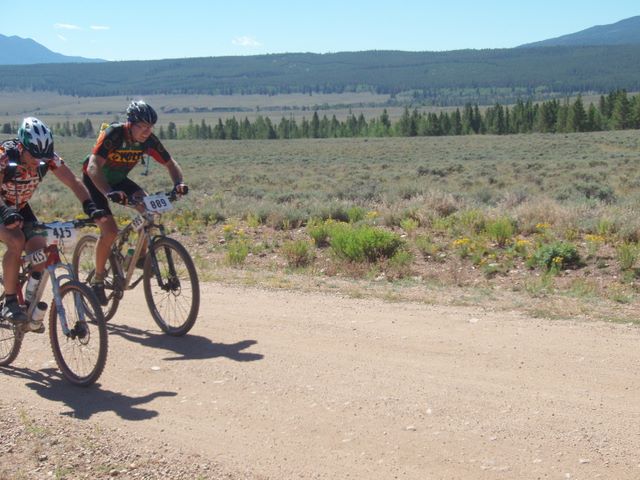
(288, 385)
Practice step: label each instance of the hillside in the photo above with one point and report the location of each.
(523, 72)
(624, 32)
(595, 60)
(24, 51)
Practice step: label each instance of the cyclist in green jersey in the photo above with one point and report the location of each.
(119, 148)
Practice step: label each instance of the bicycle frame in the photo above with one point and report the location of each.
(168, 267)
(53, 263)
(118, 246)
(145, 239)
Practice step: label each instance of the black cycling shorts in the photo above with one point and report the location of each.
(127, 186)
(28, 218)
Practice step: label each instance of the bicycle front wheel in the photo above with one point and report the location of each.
(172, 291)
(84, 266)
(10, 337)
(80, 346)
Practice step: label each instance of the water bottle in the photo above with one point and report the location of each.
(39, 311)
(128, 257)
(35, 325)
(32, 286)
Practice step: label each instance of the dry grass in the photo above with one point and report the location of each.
(432, 191)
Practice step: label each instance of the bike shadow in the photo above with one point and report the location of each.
(83, 403)
(190, 347)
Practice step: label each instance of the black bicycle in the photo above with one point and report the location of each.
(77, 329)
(169, 277)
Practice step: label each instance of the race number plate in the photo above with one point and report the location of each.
(36, 258)
(137, 223)
(62, 233)
(157, 203)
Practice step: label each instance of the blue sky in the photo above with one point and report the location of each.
(144, 30)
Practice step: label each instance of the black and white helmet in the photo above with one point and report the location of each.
(36, 137)
(140, 111)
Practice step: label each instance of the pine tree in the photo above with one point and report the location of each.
(577, 117)
(621, 113)
(315, 125)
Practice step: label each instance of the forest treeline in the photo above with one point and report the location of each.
(616, 111)
(428, 78)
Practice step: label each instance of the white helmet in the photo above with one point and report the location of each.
(36, 137)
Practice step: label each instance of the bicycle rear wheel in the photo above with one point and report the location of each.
(84, 261)
(80, 352)
(10, 337)
(173, 292)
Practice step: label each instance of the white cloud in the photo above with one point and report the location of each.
(66, 26)
(99, 27)
(61, 38)
(245, 41)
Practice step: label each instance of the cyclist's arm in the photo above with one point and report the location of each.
(66, 176)
(94, 170)
(7, 209)
(174, 171)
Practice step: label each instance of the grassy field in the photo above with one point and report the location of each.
(532, 215)
(52, 108)
(180, 109)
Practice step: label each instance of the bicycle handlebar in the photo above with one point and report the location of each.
(132, 201)
(77, 223)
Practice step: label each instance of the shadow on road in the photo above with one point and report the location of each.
(85, 402)
(190, 347)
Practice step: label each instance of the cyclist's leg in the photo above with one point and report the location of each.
(108, 234)
(13, 238)
(108, 228)
(33, 240)
(135, 191)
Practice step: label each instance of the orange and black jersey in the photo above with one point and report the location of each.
(19, 181)
(122, 153)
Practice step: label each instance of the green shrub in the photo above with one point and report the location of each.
(401, 259)
(472, 220)
(363, 244)
(500, 230)
(237, 251)
(356, 214)
(555, 256)
(428, 248)
(334, 211)
(319, 231)
(627, 255)
(409, 225)
(298, 253)
(253, 220)
(399, 265)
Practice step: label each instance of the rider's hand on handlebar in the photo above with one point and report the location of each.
(98, 214)
(118, 196)
(181, 188)
(93, 212)
(13, 220)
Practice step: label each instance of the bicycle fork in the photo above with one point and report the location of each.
(77, 299)
(172, 283)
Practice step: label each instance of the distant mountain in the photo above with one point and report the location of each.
(624, 32)
(24, 51)
(428, 76)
